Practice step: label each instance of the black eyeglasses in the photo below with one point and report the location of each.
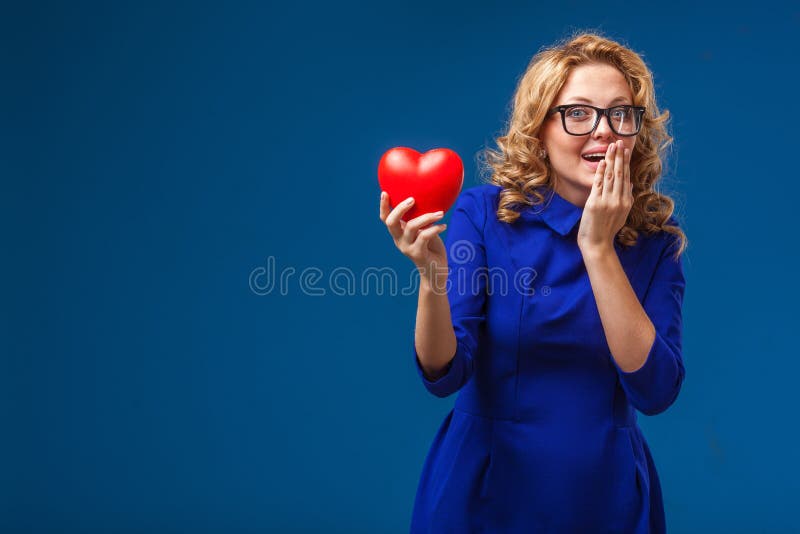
(582, 119)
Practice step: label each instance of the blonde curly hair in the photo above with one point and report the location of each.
(519, 167)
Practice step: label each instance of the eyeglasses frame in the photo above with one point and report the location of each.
(600, 113)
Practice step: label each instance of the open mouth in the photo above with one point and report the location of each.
(592, 161)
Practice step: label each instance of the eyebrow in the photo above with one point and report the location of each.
(582, 99)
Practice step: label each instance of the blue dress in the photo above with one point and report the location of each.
(543, 436)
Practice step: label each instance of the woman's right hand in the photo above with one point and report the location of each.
(424, 247)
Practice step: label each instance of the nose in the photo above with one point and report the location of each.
(603, 130)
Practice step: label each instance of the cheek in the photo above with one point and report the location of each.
(569, 148)
(559, 143)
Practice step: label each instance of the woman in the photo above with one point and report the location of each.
(560, 313)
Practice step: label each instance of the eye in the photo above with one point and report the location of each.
(578, 112)
(621, 112)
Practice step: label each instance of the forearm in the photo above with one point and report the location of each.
(434, 337)
(629, 331)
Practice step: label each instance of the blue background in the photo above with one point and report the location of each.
(154, 156)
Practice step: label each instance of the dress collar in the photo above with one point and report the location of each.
(559, 213)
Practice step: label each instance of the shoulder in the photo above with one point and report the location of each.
(673, 221)
(670, 242)
(662, 243)
(478, 203)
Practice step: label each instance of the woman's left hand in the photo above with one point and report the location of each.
(609, 202)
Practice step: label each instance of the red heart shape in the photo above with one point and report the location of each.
(434, 179)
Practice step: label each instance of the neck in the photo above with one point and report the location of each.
(572, 194)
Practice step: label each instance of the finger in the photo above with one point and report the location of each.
(619, 172)
(393, 219)
(427, 234)
(384, 210)
(598, 174)
(630, 188)
(413, 226)
(423, 220)
(628, 180)
(608, 173)
(597, 184)
(597, 187)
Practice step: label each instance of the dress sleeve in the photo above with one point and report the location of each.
(466, 291)
(652, 388)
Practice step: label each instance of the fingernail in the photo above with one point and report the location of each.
(409, 200)
(439, 213)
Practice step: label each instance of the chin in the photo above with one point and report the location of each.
(585, 179)
(588, 178)
(582, 179)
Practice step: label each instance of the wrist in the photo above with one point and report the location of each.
(433, 279)
(597, 250)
